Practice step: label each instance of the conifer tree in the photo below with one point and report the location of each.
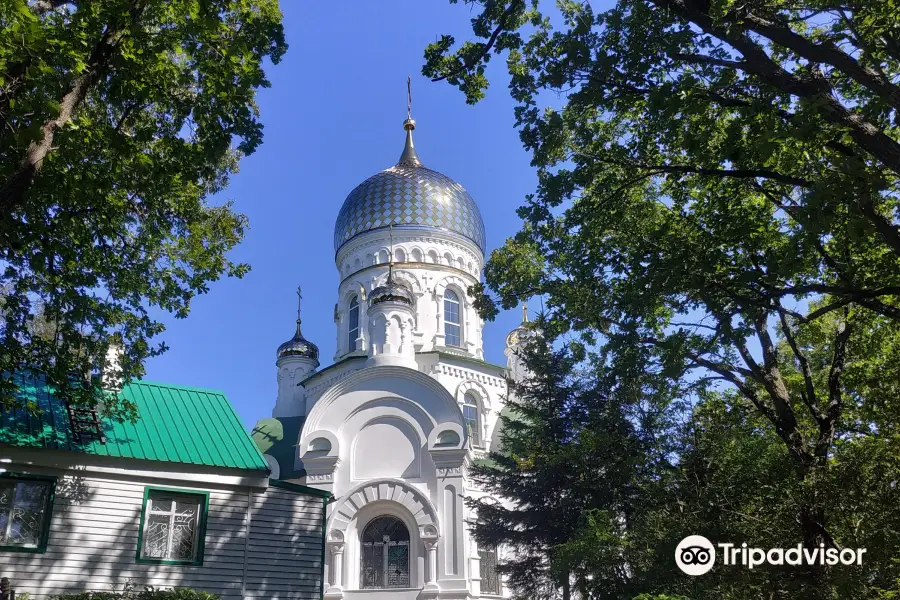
(564, 473)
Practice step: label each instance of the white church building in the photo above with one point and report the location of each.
(392, 427)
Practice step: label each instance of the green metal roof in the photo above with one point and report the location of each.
(175, 424)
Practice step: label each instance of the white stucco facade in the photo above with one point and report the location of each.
(393, 426)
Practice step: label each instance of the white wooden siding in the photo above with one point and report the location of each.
(284, 556)
(94, 532)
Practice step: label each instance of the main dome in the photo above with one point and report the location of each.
(409, 196)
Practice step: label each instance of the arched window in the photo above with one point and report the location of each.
(490, 580)
(353, 324)
(452, 329)
(385, 554)
(470, 414)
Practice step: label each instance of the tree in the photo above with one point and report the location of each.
(718, 184)
(567, 472)
(531, 474)
(118, 121)
(787, 105)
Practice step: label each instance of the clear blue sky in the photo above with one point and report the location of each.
(333, 117)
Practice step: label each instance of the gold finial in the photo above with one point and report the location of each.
(409, 158)
(409, 124)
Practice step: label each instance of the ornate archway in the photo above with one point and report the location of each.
(376, 498)
(419, 506)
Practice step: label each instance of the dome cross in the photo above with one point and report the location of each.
(299, 300)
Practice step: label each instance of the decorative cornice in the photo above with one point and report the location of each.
(450, 462)
(409, 266)
(477, 361)
(317, 387)
(465, 374)
(376, 237)
(320, 469)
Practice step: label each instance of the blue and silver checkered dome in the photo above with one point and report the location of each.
(408, 195)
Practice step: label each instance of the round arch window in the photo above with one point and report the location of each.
(385, 554)
(353, 324)
(452, 324)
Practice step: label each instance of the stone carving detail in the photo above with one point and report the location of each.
(392, 490)
(466, 374)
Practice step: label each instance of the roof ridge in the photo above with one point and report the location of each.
(176, 386)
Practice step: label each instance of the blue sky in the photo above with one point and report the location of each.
(333, 117)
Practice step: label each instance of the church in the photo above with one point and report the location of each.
(391, 428)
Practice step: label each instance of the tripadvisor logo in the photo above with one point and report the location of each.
(696, 555)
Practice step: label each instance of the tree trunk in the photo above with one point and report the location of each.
(15, 187)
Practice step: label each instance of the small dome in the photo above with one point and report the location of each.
(409, 196)
(392, 291)
(299, 346)
(520, 333)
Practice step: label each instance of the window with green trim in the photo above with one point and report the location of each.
(173, 526)
(25, 509)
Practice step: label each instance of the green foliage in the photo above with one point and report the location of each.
(118, 121)
(571, 465)
(717, 211)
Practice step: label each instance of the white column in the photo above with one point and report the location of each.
(404, 337)
(471, 336)
(431, 588)
(431, 546)
(337, 566)
(439, 332)
(386, 348)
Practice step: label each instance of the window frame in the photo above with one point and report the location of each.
(483, 567)
(385, 572)
(351, 341)
(201, 527)
(476, 404)
(459, 312)
(44, 537)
